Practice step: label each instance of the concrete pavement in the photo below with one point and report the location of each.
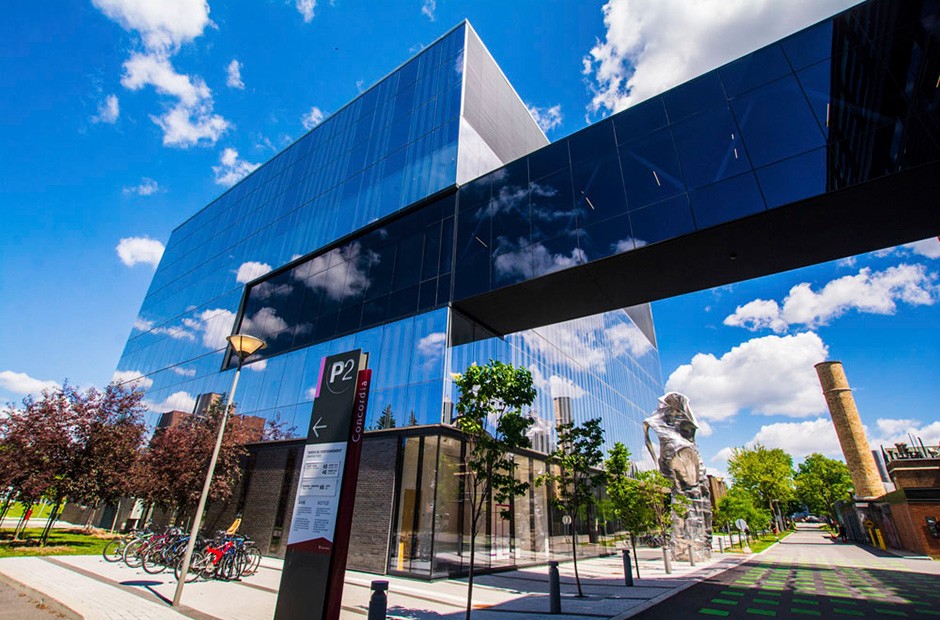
(93, 589)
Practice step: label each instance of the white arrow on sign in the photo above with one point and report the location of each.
(316, 426)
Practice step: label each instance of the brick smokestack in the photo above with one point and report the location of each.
(849, 429)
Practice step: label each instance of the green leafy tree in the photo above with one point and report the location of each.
(767, 474)
(412, 420)
(632, 504)
(387, 419)
(575, 474)
(491, 419)
(739, 504)
(821, 482)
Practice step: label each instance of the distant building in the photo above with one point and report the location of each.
(717, 489)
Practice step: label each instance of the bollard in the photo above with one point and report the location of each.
(627, 569)
(379, 601)
(666, 561)
(691, 556)
(721, 545)
(554, 588)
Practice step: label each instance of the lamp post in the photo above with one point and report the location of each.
(243, 345)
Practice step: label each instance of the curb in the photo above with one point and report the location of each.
(41, 597)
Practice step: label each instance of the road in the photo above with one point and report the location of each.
(808, 575)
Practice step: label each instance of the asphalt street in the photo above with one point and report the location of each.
(810, 575)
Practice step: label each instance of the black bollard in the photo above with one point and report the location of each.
(554, 588)
(627, 569)
(379, 601)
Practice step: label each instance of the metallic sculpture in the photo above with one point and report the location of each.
(679, 461)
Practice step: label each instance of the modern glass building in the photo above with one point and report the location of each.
(348, 239)
(430, 223)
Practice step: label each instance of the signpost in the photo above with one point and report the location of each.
(315, 564)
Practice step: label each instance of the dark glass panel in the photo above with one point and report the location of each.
(551, 203)
(864, 156)
(548, 159)
(809, 46)
(333, 283)
(508, 206)
(404, 100)
(443, 289)
(381, 268)
(606, 238)
(597, 139)
(664, 220)
(325, 327)
(552, 255)
(399, 132)
(598, 188)
(793, 179)
(639, 120)
(427, 295)
(776, 122)
(432, 251)
(651, 169)
(349, 317)
(921, 140)
(726, 201)
(694, 96)
(408, 265)
(402, 303)
(756, 68)
(511, 263)
(475, 193)
(374, 311)
(710, 147)
(472, 269)
(447, 245)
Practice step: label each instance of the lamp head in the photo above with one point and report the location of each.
(244, 345)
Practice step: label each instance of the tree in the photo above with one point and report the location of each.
(821, 482)
(387, 419)
(174, 466)
(489, 414)
(72, 444)
(412, 420)
(739, 504)
(767, 474)
(578, 459)
(276, 429)
(631, 505)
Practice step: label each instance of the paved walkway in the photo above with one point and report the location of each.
(96, 589)
(809, 575)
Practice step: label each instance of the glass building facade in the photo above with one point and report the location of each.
(399, 224)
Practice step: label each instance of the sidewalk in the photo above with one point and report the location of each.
(93, 589)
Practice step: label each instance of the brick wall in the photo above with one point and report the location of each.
(910, 520)
(375, 498)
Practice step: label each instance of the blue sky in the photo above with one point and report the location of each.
(121, 118)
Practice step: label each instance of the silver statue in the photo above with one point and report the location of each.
(680, 461)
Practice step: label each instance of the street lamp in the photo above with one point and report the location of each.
(243, 345)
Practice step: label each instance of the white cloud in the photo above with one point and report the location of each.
(258, 365)
(134, 377)
(312, 118)
(653, 45)
(215, 325)
(562, 387)
(431, 348)
(231, 168)
(627, 338)
(108, 111)
(22, 383)
(134, 250)
(250, 270)
(428, 7)
(925, 247)
(163, 27)
(869, 292)
(306, 7)
(233, 75)
(346, 277)
(184, 372)
(146, 187)
(547, 118)
(143, 324)
(799, 439)
(177, 401)
(772, 375)
(892, 431)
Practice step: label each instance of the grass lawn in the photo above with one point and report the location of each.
(759, 543)
(40, 511)
(62, 541)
